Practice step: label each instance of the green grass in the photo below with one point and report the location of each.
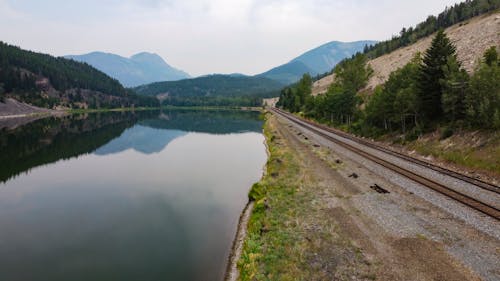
(270, 247)
(291, 233)
(485, 158)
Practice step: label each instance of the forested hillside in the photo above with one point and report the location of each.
(471, 38)
(47, 81)
(221, 90)
(433, 90)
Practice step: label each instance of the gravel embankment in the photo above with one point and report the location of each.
(472, 217)
(411, 210)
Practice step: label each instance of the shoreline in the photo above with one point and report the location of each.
(50, 112)
(314, 220)
(232, 272)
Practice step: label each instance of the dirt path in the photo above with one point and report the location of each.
(337, 228)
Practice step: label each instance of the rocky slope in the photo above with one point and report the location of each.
(471, 39)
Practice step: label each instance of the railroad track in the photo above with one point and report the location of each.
(465, 199)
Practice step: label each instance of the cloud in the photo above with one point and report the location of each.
(202, 36)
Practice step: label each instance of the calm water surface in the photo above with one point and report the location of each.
(122, 196)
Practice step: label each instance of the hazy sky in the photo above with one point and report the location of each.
(205, 36)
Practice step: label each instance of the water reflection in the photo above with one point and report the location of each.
(151, 196)
(51, 139)
(142, 139)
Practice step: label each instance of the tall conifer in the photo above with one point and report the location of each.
(431, 72)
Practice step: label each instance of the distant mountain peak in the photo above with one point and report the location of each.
(315, 61)
(141, 68)
(147, 56)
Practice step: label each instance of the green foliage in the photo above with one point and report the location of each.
(446, 132)
(294, 98)
(491, 56)
(423, 94)
(396, 102)
(213, 90)
(473, 99)
(340, 103)
(64, 138)
(257, 192)
(30, 77)
(432, 73)
(454, 85)
(352, 74)
(213, 101)
(341, 99)
(452, 15)
(213, 86)
(62, 73)
(483, 97)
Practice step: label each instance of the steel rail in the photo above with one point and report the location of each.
(438, 187)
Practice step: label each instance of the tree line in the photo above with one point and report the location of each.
(431, 90)
(253, 101)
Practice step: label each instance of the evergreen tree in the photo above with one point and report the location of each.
(353, 73)
(454, 86)
(491, 56)
(483, 97)
(431, 74)
(396, 102)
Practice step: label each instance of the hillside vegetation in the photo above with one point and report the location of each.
(47, 81)
(433, 91)
(471, 39)
(216, 90)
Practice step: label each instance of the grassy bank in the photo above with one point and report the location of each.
(293, 234)
(470, 150)
(477, 151)
(268, 242)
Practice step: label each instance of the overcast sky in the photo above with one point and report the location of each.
(205, 36)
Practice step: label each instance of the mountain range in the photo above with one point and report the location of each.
(145, 68)
(87, 80)
(139, 69)
(316, 61)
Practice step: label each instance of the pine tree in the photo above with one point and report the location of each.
(455, 84)
(431, 74)
(491, 56)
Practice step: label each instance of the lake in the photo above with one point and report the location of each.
(125, 196)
